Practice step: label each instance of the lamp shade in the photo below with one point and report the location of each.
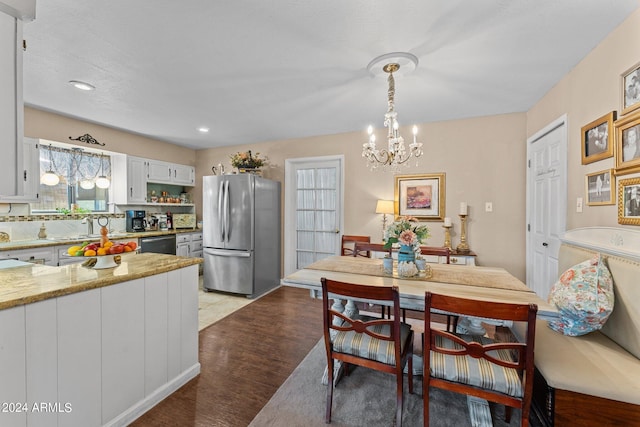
(385, 207)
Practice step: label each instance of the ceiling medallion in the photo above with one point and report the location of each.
(396, 153)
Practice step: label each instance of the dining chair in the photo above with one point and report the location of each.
(365, 249)
(381, 344)
(348, 243)
(500, 372)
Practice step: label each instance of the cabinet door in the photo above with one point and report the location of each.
(12, 364)
(29, 174)
(11, 105)
(136, 180)
(183, 249)
(183, 175)
(158, 171)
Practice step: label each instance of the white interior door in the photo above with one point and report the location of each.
(313, 210)
(546, 204)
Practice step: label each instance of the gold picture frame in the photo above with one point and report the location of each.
(628, 204)
(627, 131)
(421, 196)
(599, 188)
(630, 85)
(597, 139)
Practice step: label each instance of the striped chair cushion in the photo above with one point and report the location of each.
(476, 372)
(363, 345)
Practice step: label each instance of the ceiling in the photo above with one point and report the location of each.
(265, 70)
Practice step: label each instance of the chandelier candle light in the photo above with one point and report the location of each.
(396, 153)
(463, 247)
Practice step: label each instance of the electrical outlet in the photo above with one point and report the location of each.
(579, 205)
(488, 207)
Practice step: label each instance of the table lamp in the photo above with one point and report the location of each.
(384, 207)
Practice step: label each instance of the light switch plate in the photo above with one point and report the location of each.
(579, 205)
(488, 207)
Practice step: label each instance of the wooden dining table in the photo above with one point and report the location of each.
(480, 283)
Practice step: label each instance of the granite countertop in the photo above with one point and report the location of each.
(34, 282)
(53, 241)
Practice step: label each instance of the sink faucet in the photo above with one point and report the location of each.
(87, 220)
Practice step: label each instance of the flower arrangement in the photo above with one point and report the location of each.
(246, 160)
(406, 231)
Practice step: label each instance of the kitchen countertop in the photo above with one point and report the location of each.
(32, 283)
(53, 241)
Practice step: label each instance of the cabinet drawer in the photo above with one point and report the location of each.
(182, 238)
(196, 236)
(196, 254)
(459, 260)
(196, 246)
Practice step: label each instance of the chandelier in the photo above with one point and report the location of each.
(396, 153)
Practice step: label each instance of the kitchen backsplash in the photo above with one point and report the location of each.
(27, 227)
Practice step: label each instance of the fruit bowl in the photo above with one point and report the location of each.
(101, 255)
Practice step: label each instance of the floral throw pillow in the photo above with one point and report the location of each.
(584, 297)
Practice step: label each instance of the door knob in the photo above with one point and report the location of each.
(545, 244)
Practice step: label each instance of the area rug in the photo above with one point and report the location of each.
(364, 398)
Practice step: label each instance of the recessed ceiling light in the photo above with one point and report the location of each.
(81, 85)
(203, 129)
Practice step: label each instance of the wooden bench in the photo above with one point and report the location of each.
(594, 380)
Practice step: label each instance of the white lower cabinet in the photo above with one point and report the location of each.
(12, 367)
(42, 361)
(123, 342)
(102, 356)
(80, 358)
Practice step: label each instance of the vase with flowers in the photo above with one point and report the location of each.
(409, 234)
(248, 162)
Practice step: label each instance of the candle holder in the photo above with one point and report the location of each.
(463, 247)
(447, 236)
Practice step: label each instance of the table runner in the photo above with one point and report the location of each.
(487, 277)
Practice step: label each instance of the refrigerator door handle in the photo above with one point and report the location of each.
(220, 203)
(237, 254)
(227, 210)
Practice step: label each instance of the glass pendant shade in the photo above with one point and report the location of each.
(50, 178)
(87, 184)
(102, 182)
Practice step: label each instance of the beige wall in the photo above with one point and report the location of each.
(483, 159)
(54, 127)
(588, 92)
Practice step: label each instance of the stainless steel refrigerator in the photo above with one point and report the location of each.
(241, 234)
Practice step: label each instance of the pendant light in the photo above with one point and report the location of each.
(49, 177)
(102, 181)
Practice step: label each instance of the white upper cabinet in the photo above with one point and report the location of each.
(129, 179)
(11, 104)
(170, 173)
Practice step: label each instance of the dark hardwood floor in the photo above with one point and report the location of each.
(244, 359)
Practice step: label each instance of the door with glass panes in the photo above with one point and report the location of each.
(313, 210)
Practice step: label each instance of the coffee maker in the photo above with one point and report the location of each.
(135, 221)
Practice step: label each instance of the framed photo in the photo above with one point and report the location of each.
(630, 89)
(421, 196)
(599, 188)
(629, 201)
(628, 144)
(597, 139)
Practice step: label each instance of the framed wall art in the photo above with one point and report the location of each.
(630, 82)
(421, 196)
(628, 144)
(629, 201)
(597, 139)
(598, 186)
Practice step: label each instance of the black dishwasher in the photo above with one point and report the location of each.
(165, 244)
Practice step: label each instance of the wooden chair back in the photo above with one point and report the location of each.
(339, 326)
(365, 249)
(348, 243)
(521, 352)
(438, 251)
